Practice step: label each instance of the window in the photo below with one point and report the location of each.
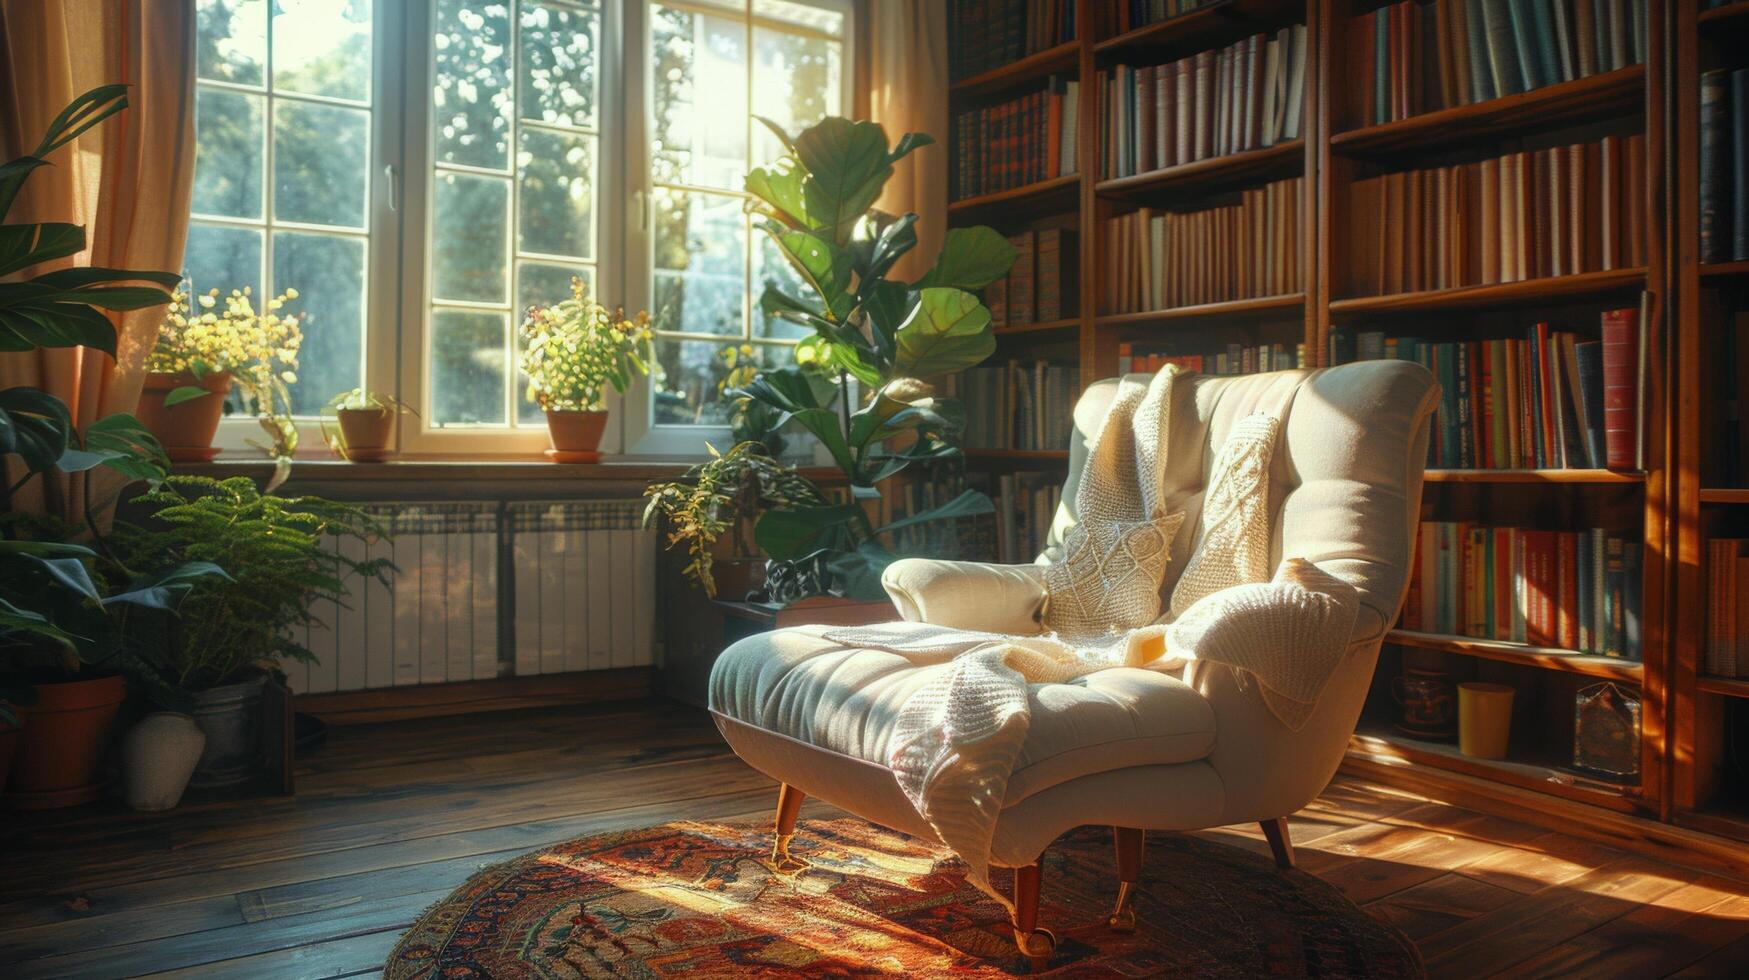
(713, 67)
(424, 172)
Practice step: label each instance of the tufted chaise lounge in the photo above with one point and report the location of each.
(1137, 749)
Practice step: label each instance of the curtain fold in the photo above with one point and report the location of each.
(908, 93)
(127, 181)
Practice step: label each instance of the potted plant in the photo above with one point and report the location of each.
(572, 352)
(885, 334)
(230, 632)
(711, 508)
(364, 423)
(205, 348)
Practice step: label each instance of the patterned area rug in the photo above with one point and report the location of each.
(693, 900)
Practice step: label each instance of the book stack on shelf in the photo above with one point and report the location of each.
(1019, 142)
(1724, 165)
(1235, 359)
(1018, 405)
(1246, 96)
(1526, 215)
(1448, 53)
(1551, 400)
(1727, 637)
(1043, 274)
(1576, 591)
(969, 538)
(986, 34)
(1162, 260)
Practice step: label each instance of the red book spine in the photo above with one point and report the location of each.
(1620, 405)
(1539, 586)
(1567, 614)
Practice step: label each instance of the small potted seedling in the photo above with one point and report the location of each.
(364, 424)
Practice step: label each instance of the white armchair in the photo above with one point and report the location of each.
(1137, 749)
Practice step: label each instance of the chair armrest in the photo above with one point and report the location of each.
(967, 595)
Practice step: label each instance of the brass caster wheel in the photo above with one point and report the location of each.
(1037, 946)
(782, 861)
(1123, 917)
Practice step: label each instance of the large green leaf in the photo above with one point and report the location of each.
(35, 425)
(90, 275)
(779, 188)
(821, 263)
(786, 533)
(124, 444)
(948, 331)
(968, 504)
(70, 573)
(22, 246)
(847, 166)
(80, 115)
(907, 143)
(163, 591)
(14, 620)
(971, 258)
(885, 246)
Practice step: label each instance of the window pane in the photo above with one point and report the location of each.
(690, 374)
(231, 40)
(557, 194)
(222, 258)
(770, 268)
(470, 92)
(228, 154)
(322, 47)
(539, 284)
(469, 238)
(467, 367)
(328, 273)
(319, 163)
(558, 76)
(700, 244)
(698, 83)
(796, 83)
(801, 14)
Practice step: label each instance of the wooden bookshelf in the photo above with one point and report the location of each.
(1604, 477)
(1287, 304)
(1033, 200)
(1019, 74)
(1285, 159)
(1379, 750)
(1524, 292)
(1546, 658)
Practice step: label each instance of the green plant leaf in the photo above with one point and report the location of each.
(971, 258)
(162, 591)
(22, 246)
(968, 504)
(786, 533)
(90, 275)
(907, 143)
(124, 444)
(184, 393)
(71, 573)
(948, 330)
(821, 263)
(35, 425)
(26, 323)
(856, 574)
(779, 188)
(16, 620)
(889, 245)
(847, 167)
(112, 297)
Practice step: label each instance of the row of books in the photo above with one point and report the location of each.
(1026, 504)
(1732, 376)
(969, 538)
(1417, 57)
(1569, 590)
(1526, 215)
(1044, 271)
(1017, 143)
(1235, 359)
(1160, 260)
(987, 34)
(1551, 400)
(1248, 95)
(1727, 627)
(1018, 405)
(1132, 14)
(1724, 165)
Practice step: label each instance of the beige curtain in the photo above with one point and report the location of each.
(908, 93)
(127, 181)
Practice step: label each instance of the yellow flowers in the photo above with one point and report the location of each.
(258, 348)
(572, 351)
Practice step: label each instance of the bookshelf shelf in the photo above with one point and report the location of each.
(1285, 159)
(1724, 495)
(1608, 477)
(1283, 304)
(1045, 197)
(1723, 270)
(1733, 14)
(1727, 686)
(1389, 748)
(1565, 103)
(1040, 64)
(1046, 326)
(1547, 658)
(1520, 293)
(1205, 27)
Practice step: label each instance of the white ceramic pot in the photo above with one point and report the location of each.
(158, 756)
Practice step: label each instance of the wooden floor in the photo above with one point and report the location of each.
(389, 818)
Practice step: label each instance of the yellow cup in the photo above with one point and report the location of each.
(1484, 719)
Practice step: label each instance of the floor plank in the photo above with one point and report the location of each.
(390, 818)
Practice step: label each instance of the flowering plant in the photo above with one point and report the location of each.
(573, 350)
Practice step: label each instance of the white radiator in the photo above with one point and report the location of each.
(580, 595)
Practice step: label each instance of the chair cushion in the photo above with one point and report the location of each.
(798, 684)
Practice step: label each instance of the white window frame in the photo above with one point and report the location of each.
(643, 436)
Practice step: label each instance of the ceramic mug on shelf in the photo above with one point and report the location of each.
(1428, 702)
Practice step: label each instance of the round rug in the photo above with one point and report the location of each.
(694, 900)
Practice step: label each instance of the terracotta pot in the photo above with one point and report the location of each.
(62, 745)
(365, 433)
(576, 436)
(186, 429)
(8, 747)
(158, 756)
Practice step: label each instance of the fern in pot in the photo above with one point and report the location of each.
(232, 632)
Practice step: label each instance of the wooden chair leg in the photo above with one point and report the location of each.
(1035, 943)
(1279, 842)
(1130, 842)
(789, 807)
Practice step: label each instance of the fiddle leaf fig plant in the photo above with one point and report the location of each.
(816, 204)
